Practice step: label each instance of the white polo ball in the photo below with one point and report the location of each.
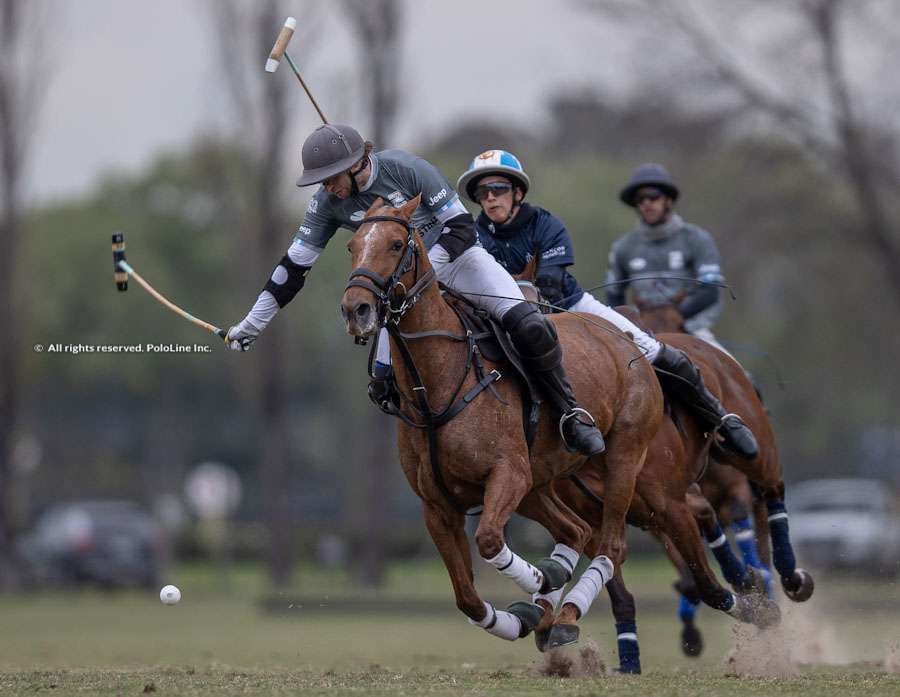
(170, 595)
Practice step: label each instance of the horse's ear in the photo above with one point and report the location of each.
(376, 204)
(409, 208)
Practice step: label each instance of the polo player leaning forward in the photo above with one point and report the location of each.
(352, 177)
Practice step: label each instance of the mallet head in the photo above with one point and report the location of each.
(287, 31)
(118, 252)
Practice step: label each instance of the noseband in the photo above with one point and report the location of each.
(394, 298)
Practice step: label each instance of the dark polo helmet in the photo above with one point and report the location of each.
(649, 174)
(330, 149)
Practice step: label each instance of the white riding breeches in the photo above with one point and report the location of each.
(710, 339)
(475, 274)
(646, 343)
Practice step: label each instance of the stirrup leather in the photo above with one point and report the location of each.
(568, 415)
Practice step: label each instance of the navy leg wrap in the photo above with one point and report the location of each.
(782, 552)
(687, 609)
(629, 651)
(731, 566)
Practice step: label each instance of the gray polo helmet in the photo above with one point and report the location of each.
(649, 174)
(330, 149)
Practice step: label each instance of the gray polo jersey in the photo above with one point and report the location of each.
(397, 177)
(653, 264)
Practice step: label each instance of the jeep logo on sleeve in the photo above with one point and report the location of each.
(438, 196)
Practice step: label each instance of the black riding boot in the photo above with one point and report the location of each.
(737, 436)
(535, 339)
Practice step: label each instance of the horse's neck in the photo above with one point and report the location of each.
(430, 354)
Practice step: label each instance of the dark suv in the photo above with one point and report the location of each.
(113, 544)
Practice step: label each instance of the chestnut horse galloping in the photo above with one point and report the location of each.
(764, 473)
(482, 454)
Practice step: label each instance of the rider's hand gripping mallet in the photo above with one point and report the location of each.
(123, 270)
(279, 50)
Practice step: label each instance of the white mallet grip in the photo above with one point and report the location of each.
(287, 31)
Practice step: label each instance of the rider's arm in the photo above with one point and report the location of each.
(557, 253)
(615, 275)
(708, 270)
(550, 282)
(289, 274)
(441, 199)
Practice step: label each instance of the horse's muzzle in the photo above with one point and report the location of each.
(359, 315)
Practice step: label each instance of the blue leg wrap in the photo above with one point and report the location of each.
(629, 651)
(746, 540)
(686, 609)
(782, 552)
(731, 566)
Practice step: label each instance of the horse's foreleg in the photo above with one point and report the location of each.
(447, 530)
(732, 568)
(571, 534)
(504, 490)
(680, 525)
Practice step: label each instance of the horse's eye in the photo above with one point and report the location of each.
(397, 246)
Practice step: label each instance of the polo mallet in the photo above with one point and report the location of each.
(123, 270)
(279, 50)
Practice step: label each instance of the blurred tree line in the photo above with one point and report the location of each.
(814, 317)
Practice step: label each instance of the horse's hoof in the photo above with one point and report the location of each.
(800, 586)
(555, 575)
(562, 635)
(691, 641)
(754, 582)
(529, 616)
(541, 639)
(757, 610)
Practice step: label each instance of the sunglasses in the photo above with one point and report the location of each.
(653, 196)
(496, 188)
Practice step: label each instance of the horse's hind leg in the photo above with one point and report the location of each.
(626, 623)
(447, 530)
(797, 583)
(688, 597)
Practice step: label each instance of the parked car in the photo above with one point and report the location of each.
(107, 543)
(849, 523)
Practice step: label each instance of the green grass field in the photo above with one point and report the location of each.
(218, 641)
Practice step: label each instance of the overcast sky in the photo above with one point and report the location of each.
(130, 78)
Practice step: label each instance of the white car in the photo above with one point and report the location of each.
(847, 523)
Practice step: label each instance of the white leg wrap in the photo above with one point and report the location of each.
(552, 598)
(511, 565)
(566, 556)
(591, 582)
(499, 623)
(588, 303)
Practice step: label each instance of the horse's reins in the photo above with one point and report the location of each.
(388, 316)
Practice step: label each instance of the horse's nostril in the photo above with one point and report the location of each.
(362, 310)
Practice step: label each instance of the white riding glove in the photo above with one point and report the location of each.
(241, 336)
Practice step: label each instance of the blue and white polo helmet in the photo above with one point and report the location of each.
(492, 162)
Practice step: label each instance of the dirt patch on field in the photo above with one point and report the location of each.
(584, 662)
